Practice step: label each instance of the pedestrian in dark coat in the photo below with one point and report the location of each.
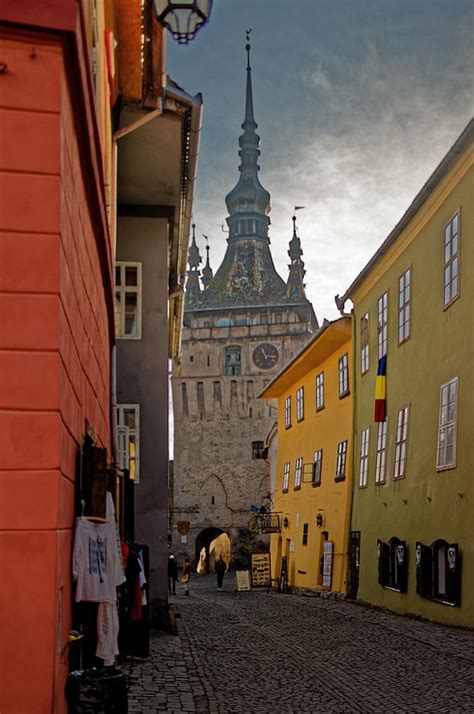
(220, 568)
(172, 574)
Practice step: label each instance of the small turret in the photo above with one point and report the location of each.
(295, 286)
(207, 273)
(193, 287)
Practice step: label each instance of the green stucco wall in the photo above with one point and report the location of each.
(425, 505)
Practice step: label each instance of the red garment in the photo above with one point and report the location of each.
(125, 551)
(136, 608)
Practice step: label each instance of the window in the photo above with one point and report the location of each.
(232, 361)
(320, 392)
(277, 319)
(404, 302)
(341, 461)
(264, 319)
(401, 443)
(128, 439)
(364, 343)
(317, 467)
(257, 449)
(286, 476)
(382, 324)
(438, 572)
(287, 412)
(298, 471)
(343, 376)
(393, 564)
(446, 455)
(128, 299)
(300, 404)
(451, 260)
(364, 456)
(381, 460)
(305, 534)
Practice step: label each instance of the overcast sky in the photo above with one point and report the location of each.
(356, 102)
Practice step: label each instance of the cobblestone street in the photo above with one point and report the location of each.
(253, 652)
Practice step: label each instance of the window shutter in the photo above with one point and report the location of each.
(424, 570)
(383, 554)
(453, 574)
(401, 555)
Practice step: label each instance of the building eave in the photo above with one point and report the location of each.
(329, 338)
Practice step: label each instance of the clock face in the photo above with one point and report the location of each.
(265, 356)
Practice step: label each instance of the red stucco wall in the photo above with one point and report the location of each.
(54, 364)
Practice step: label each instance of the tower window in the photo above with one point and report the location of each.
(257, 449)
(232, 361)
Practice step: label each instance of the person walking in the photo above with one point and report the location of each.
(186, 574)
(172, 574)
(220, 568)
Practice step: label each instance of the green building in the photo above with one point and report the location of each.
(412, 517)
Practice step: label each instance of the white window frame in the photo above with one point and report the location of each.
(401, 438)
(341, 460)
(125, 432)
(288, 412)
(300, 404)
(286, 476)
(404, 306)
(364, 456)
(317, 467)
(343, 375)
(364, 343)
(298, 472)
(382, 324)
(122, 290)
(451, 260)
(448, 406)
(381, 457)
(320, 391)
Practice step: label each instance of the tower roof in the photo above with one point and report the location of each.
(247, 275)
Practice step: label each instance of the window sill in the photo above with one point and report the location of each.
(362, 485)
(393, 589)
(296, 488)
(320, 409)
(440, 469)
(344, 395)
(288, 427)
(300, 420)
(440, 601)
(404, 341)
(338, 479)
(284, 490)
(128, 337)
(380, 483)
(399, 478)
(453, 300)
(316, 484)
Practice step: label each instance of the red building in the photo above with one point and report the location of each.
(56, 334)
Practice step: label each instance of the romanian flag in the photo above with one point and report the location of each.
(380, 390)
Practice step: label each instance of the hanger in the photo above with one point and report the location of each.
(96, 519)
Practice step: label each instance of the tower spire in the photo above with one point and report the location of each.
(295, 286)
(207, 273)
(193, 288)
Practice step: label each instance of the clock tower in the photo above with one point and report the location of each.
(241, 326)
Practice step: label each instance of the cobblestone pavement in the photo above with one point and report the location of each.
(253, 652)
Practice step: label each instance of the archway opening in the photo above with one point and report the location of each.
(210, 543)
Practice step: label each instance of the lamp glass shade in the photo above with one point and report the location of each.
(183, 18)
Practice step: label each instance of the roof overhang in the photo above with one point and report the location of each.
(326, 341)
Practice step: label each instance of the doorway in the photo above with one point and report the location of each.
(354, 564)
(210, 543)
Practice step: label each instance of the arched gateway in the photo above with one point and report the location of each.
(213, 541)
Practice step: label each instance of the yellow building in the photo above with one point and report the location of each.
(313, 464)
(412, 546)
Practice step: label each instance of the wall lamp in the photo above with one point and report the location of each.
(183, 18)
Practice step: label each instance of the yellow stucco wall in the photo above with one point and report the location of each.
(318, 430)
(425, 505)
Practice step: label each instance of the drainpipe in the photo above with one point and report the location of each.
(353, 449)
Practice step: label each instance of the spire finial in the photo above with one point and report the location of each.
(207, 273)
(248, 46)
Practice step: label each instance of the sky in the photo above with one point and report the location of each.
(357, 101)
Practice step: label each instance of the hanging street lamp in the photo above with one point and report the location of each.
(183, 18)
